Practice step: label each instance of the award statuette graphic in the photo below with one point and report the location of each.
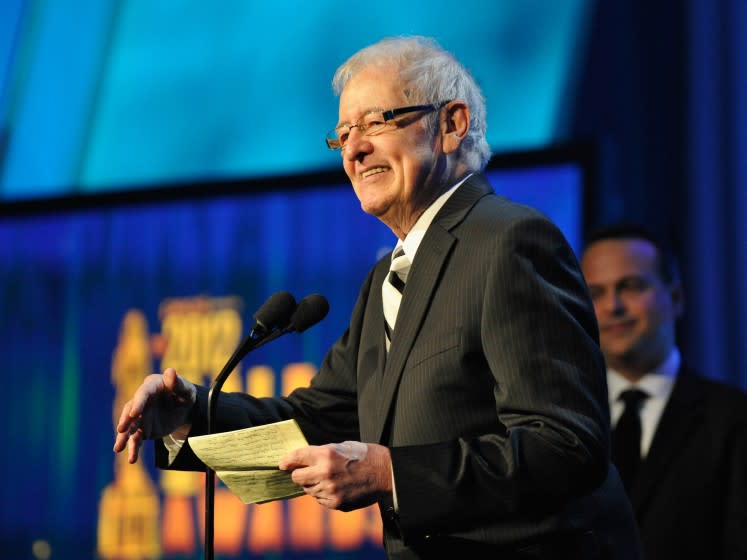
(129, 508)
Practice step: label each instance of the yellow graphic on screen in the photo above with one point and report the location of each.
(129, 508)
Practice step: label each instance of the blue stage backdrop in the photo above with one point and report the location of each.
(96, 297)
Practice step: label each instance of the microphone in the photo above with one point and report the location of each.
(276, 312)
(312, 309)
(273, 314)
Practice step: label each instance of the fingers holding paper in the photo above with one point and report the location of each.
(342, 476)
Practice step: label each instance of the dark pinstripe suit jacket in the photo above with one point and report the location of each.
(493, 397)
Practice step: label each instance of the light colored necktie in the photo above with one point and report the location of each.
(391, 290)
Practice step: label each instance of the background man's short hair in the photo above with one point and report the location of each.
(667, 264)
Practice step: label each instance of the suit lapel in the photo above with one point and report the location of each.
(421, 283)
(681, 414)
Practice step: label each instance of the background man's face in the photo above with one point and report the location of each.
(635, 309)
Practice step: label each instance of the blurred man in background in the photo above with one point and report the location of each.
(679, 440)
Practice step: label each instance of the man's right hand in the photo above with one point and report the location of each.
(159, 407)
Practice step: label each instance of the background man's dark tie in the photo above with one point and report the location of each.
(626, 437)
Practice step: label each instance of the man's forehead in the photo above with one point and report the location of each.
(628, 248)
(370, 89)
(611, 261)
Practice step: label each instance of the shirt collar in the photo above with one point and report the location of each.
(658, 383)
(417, 233)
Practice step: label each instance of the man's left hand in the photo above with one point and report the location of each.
(344, 476)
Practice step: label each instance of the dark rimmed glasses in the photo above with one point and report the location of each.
(373, 122)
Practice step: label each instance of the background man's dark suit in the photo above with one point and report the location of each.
(698, 458)
(516, 457)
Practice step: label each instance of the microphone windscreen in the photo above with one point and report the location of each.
(276, 312)
(312, 309)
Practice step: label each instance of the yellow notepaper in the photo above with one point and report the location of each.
(247, 460)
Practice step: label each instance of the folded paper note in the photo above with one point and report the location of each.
(247, 460)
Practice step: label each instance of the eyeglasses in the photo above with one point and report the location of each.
(372, 123)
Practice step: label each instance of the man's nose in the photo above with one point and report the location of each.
(615, 304)
(357, 145)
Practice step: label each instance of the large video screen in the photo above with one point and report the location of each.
(96, 296)
(130, 94)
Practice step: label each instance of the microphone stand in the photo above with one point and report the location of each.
(251, 342)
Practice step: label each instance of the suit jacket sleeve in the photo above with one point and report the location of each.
(326, 411)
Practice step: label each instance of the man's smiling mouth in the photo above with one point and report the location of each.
(373, 171)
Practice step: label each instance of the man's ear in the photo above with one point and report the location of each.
(454, 124)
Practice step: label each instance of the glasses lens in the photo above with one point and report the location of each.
(335, 137)
(369, 124)
(372, 123)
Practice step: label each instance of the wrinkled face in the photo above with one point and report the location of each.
(635, 309)
(393, 172)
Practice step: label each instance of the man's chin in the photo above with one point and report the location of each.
(374, 211)
(374, 207)
(617, 354)
(630, 360)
